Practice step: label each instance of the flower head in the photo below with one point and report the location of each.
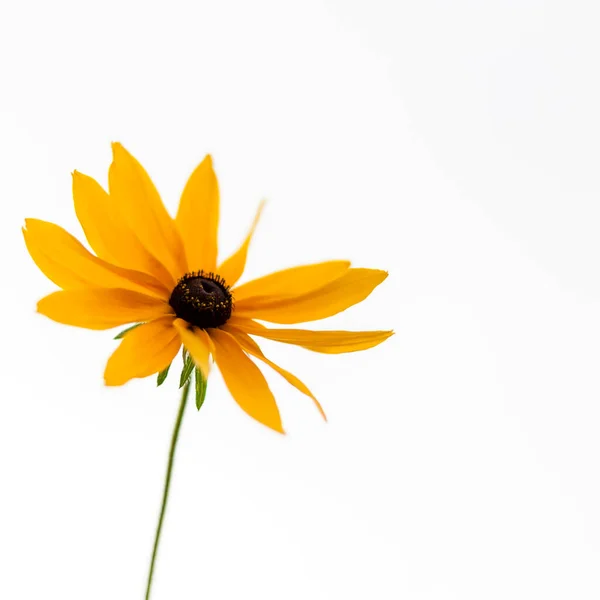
(162, 273)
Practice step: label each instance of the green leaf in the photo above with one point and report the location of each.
(162, 376)
(126, 331)
(201, 385)
(188, 367)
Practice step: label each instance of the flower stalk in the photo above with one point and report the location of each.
(174, 438)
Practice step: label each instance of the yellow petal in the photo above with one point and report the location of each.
(290, 282)
(197, 343)
(231, 270)
(109, 235)
(98, 308)
(198, 217)
(244, 380)
(250, 346)
(67, 263)
(327, 342)
(91, 202)
(143, 210)
(57, 273)
(348, 290)
(145, 350)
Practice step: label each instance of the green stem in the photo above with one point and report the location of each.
(184, 397)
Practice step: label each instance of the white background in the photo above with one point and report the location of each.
(454, 144)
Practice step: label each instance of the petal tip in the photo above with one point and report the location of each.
(117, 149)
(39, 307)
(111, 382)
(110, 376)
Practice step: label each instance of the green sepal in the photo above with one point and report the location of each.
(201, 385)
(188, 367)
(126, 331)
(162, 376)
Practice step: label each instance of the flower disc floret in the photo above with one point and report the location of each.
(202, 299)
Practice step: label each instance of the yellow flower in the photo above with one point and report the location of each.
(149, 268)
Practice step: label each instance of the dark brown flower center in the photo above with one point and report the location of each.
(202, 299)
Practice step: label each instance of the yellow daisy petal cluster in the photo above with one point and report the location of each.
(150, 268)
